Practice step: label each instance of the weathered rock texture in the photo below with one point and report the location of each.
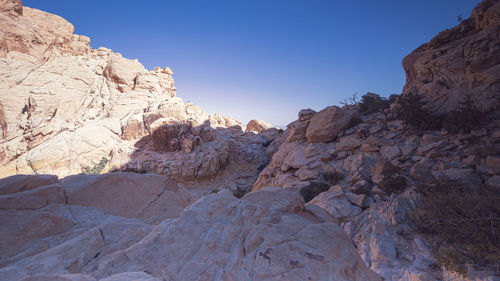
(65, 106)
(464, 60)
(366, 179)
(358, 172)
(134, 230)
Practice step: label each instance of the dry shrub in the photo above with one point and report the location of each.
(393, 184)
(371, 103)
(464, 222)
(312, 190)
(97, 169)
(467, 117)
(411, 110)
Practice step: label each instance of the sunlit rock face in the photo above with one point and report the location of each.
(66, 108)
(458, 62)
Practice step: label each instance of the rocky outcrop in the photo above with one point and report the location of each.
(257, 126)
(266, 235)
(366, 179)
(458, 62)
(64, 107)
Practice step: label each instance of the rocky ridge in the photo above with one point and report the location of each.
(458, 62)
(80, 105)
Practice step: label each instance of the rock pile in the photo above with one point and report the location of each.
(367, 175)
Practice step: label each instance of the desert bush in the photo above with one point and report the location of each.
(467, 117)
(331, 176)
(411, 110)
(97, 169)
(350, 101)
(393, 98)
(393, 184)
(353, 122)
(371, 103)
(135, 170)
(463, 222)
(312, 190)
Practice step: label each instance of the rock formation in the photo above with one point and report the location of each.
(128, 226)
(332, 195)
(65, 106)
(458, 62)
(365, 172)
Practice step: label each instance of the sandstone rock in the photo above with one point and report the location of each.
(337, 204)
(14, 7)
(218, 120)
(325, 125)
(59, 277)
(257, 126)
(348, 143)
(306, 114)
(379, 236)
(132, 130)
(22, 227)
(222, 221)
(390, 152)
(361, 187)
(494, 181)
(454, 64)
(360, 200)
(20, 183)
(382, 171)
(33, 199)
(422, 170)
(365, 147)
(458, 176)
(68, 257)
(127, 194)
(471, 160)
(423, 149)
(493, 162)
(72, 106)
(306, 174)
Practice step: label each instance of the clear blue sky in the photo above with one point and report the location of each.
(266, 59)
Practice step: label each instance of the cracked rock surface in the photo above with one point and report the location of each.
(144, 227)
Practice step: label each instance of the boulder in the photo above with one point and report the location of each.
(325, 125)
(257, 126)
(337, 204)
(348, 143)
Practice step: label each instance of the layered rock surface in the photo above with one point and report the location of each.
(65, 106)
(357, 172)
(351, 178)
(365, 172)
(458, 62)
(127, 226)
